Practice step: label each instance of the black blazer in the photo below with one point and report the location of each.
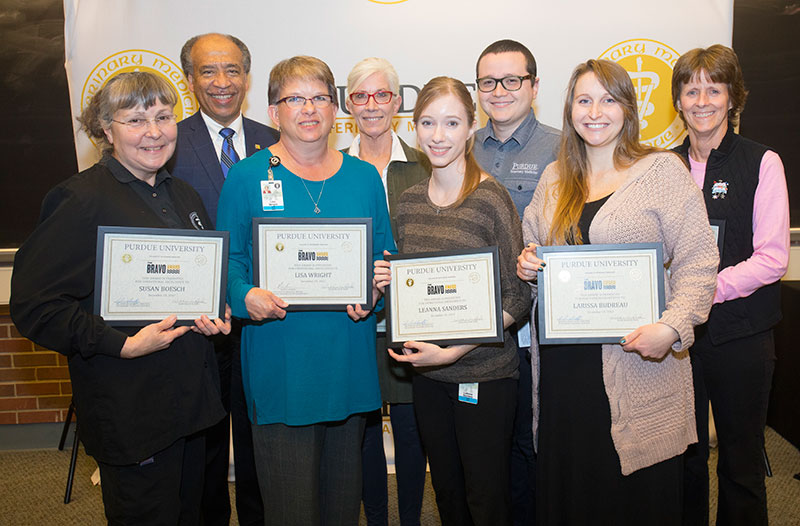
(196, 162)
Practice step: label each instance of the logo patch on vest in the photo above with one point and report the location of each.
(719, 190)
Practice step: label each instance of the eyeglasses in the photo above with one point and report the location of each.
(510, 83)
(296, 101)
(139, 123)
(361, 98)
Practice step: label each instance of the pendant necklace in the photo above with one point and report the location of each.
(316, 203)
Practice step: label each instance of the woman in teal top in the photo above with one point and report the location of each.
(308, 376)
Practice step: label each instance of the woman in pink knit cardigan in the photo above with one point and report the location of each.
(612, 420)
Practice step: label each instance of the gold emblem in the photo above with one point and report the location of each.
(649, 64)
(127, 258)
(140, 60)
(409, 282)
(279, 247)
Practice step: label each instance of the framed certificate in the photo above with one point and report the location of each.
(598, 293)
(314, 263)
(445, 298)
(718, 228)
(146, 274)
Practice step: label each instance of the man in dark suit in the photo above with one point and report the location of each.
(217, 69)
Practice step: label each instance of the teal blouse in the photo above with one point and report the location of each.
(309, 367)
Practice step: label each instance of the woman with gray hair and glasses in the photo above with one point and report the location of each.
(373, 98)
(143, 395)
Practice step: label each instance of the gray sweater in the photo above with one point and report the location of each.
(486, 217)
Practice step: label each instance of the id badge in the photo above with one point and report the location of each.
(271, 196)
(468, 393)
(524, 335)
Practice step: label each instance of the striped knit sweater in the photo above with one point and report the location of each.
(652, 403)
(486, 217)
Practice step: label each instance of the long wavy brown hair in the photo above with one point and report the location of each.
(572, 186)
(442, 86)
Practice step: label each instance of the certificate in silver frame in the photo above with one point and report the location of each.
(143, 275)
(598, 293)
(314, 263)
(450, 297)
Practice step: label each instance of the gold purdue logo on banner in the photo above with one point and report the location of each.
(649, 64)
(140, 60)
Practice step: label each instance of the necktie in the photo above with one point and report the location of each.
(228, 156)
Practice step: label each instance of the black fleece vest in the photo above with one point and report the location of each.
(729, 189)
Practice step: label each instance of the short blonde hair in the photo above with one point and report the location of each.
(369, 66)
(300, 67)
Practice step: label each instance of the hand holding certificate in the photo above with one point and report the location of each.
(598, 293)
(147, 274)
(312, 264)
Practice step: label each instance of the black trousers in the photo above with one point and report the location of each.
(736, 377)
(216, 501)
(249, 507)
(410, 467)
(469, 449)
(165, 489)
(523, 456)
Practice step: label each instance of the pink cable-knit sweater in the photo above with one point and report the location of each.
(652, 403)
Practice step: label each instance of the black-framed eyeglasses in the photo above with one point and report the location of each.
(296, 101)
(361, 98)
(510, 83)
(139, 123)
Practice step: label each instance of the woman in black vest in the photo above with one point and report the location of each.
(733, 357)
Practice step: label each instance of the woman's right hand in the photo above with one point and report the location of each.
(151, 338)
(528, 265)
(383, 273)
(262, 304)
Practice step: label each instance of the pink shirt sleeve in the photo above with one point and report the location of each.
(770, 233)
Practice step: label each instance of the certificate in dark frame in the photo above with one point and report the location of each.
(289, 221)
(166, 233)
(437, 258)
(657, 272)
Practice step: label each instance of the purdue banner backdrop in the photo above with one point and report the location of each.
(422, 38)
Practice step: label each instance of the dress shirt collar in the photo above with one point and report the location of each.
(397, 148)
(214, 127)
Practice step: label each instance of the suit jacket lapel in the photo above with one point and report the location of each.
(250, 137)
(204, 149)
